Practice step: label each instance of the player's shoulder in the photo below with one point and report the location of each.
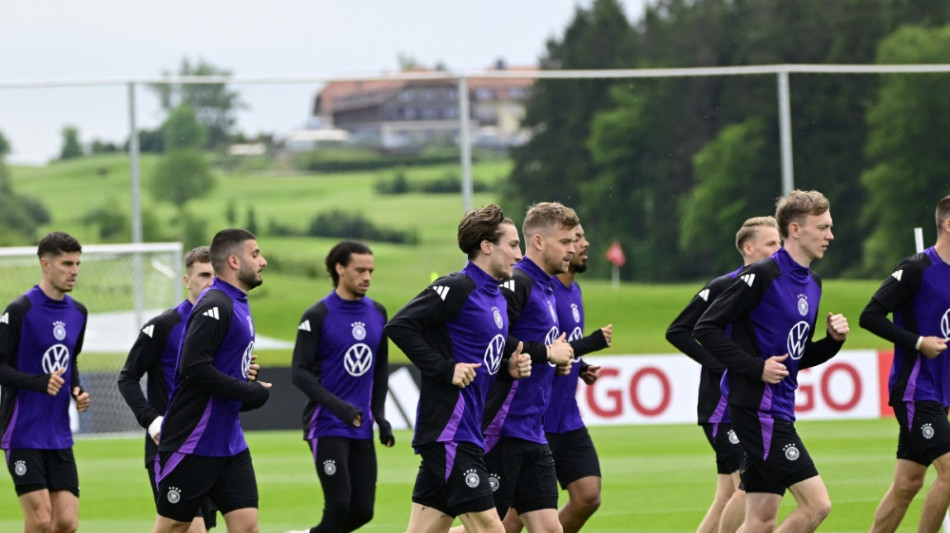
(78, 305)
(454, 287)
(763, 271)
(213, 303)
(166, 319)
(20, 305)
(520, 281)
(380, 308)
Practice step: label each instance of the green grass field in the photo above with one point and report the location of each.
(656, 478)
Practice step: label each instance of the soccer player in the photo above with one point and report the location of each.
(518, 450)
(772, 307)
(575, 459)
(202, 451)
(455, 331)
(918, 295)
(41, 336)
(757, 239)
(340, 362)
(155, 353)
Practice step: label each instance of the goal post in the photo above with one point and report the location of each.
(122, 286)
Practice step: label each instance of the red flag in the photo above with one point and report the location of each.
(615, 254)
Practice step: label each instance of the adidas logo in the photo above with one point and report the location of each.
(442, 290)
(748, 278)
(213, 313)
(149, 329)
(896, 275)
(304, 326)
(704, 294)
(510, 285)
(5, 318)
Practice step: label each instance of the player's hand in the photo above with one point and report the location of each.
(253, 369)
(155, 428)
(591, 374)
(563, 370)
(519, 366)
(774, 370)
(55, 381)
(264, 384)
(464, 374)
(608, 332)
(358, 420)
(82, 399)
(560, 351)
(932, 346)
(838, 327)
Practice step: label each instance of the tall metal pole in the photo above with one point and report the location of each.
(465, 143)
(138, 278)
(785, 131)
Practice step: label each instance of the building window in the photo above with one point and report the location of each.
(484, 94)
(452, 93)
(405, 95)
(430, 113)
(450, 112)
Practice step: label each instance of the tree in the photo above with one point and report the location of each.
(182, 130)
(5, 147)
(71, 147)
(214, 104)
(181, 176)
(909, 175)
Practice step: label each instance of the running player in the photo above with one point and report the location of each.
(202, 451)
(41, 335)
(918, 294)
(155, 353)
(772, 307)
(340, 362)
(757, 239)
(518, 450)
(455, 332)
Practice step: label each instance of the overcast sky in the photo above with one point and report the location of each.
(94, 39)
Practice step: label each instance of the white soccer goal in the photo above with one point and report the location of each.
(122, 286)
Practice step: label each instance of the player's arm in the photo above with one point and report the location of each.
(306, 372)
(897, 291)
(204, 336)
(10, 327)
(736, 302)
(680, 332)
(78, 393)
(144, 355)
(594, 342)
(409, 326)
(381, 387)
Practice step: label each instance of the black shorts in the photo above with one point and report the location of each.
(725, 443)
(33, 470)
(924, 431)
(774, 457)
(526, 475)
(207, 512)
(453, 479)
(186, 480)
(574, 456)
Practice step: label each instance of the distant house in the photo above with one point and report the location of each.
(405, 114)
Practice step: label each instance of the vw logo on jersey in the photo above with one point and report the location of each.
(246, 359)
(576, 313)
(802, 304)
(551, 336)
(576, 333)
(496, 314)
(55, 357)
(359, 330)
(945, 324)
(493, 354)
(59, 330)
(358, 359)
(797, 336)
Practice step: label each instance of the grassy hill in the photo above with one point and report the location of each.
(640, 313)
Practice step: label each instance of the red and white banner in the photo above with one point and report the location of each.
(650, 389)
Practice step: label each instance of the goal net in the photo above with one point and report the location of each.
(122, 286)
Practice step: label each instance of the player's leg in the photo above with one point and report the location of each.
(734, 512)
(761, 512)
(536, 493)
(235, 493)
(37, 510)
(65, 506)
(578, 471)
(583, 501)
(198, 525)
(512, 522)
(938, 497)
(908, 480)
(183, 482)
(362, 473)
(725, 488)
(814, 506)
(63, 483)
(482, 522)
(425, 519)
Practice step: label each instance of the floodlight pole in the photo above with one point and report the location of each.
(465, 144)
(139, 297)
(785, 131)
